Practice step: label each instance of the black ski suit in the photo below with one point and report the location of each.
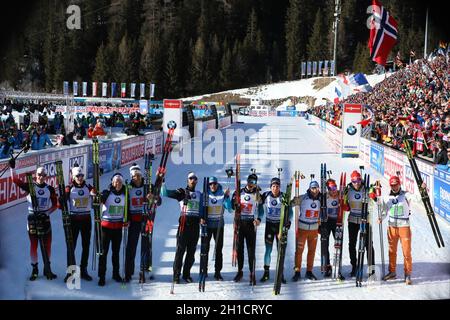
(188, 233)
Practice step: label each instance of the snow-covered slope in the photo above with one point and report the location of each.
(319, 88)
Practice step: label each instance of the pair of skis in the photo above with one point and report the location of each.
(339, 234)
(363, 232)
(148, 219)
(424, 195)
(283, 234)
(237, 211)
(98, 246)
(65, 214)
(204, 240)
(146, 257)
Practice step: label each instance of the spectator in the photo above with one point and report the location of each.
(441, 154)
(98, 130)
(40, 139)
(80, 131)
(90, 132)
(6, 146)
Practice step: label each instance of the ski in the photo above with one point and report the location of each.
(39, 228)
(97, 248)
(65, 213)
(323, 214)
(363, 232)
(237, 211)
(380, 225)
(283, 237)
(337, 261)
(125, 234)
(145, 250)
(204, 240)
(424, 195)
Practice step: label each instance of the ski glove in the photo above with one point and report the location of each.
(12, 163)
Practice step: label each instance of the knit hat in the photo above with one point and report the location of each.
(76, 171)
(394, 180)
(314, 184)
(41, 170)
(355, 175)
(274, 181)
(134, 169)
(118, 176)
(213, 179)
(252, 178)
(192, 175)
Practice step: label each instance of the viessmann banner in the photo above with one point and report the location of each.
(351, 130)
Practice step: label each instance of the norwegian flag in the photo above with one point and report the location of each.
(383, 33)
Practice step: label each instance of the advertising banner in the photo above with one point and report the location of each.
(426, 172)
(351, 132)
(10, 193)
(442, 193)
(377, 158)
(173, 111)
(132, 150)
(109, 157)
(393, 163)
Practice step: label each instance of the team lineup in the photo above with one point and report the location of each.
(126, 211)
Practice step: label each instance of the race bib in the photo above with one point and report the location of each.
(214, 210)
(115, 210)
(311, 214)
(80, 202)
(396, 211)
(137, 201)
(193, 205)
(42, 202)
(246, 207)
(356, 205)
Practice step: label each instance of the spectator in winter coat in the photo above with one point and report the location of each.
(441, 154)
(39, 140)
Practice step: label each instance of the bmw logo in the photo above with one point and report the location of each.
(213, 200)
(247, 198)
(81, 193)
(394, 201)
(334, 203)
(313, 205)
(117, 200)
(193, 196)
(274, 202)
(357, 196)
(138, 192)
(352, 130)
(41, 192)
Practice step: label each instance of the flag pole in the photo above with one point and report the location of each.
(426, 36)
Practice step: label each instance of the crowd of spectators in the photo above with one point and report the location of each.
(48, 130)
(412, 102)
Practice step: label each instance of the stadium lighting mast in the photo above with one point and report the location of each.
(337, 13)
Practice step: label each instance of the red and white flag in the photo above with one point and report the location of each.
(94, 89)
(383, 33)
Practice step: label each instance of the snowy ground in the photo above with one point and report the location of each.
(301, 148)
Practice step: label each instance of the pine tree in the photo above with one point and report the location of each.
(171, 74)
(101, 70)
(198, 75)
(293, 39)
(362, 62)
(317, 41)
(226, 69)
(150, 64)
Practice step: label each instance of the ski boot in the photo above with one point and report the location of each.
(176, 279)
(328, 271)
(296, 276)
(238, 276)
(390, 276)
(101, 281)
(340, 277)
(252, 279)
(353, 272)
(266, 275)
(49, 274)
(188, 279)
(116, 276)
(84, 274)
(34, 272)
(309, 275)
(408, 279)
(218, 276)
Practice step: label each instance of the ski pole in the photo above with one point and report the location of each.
(380, 225)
